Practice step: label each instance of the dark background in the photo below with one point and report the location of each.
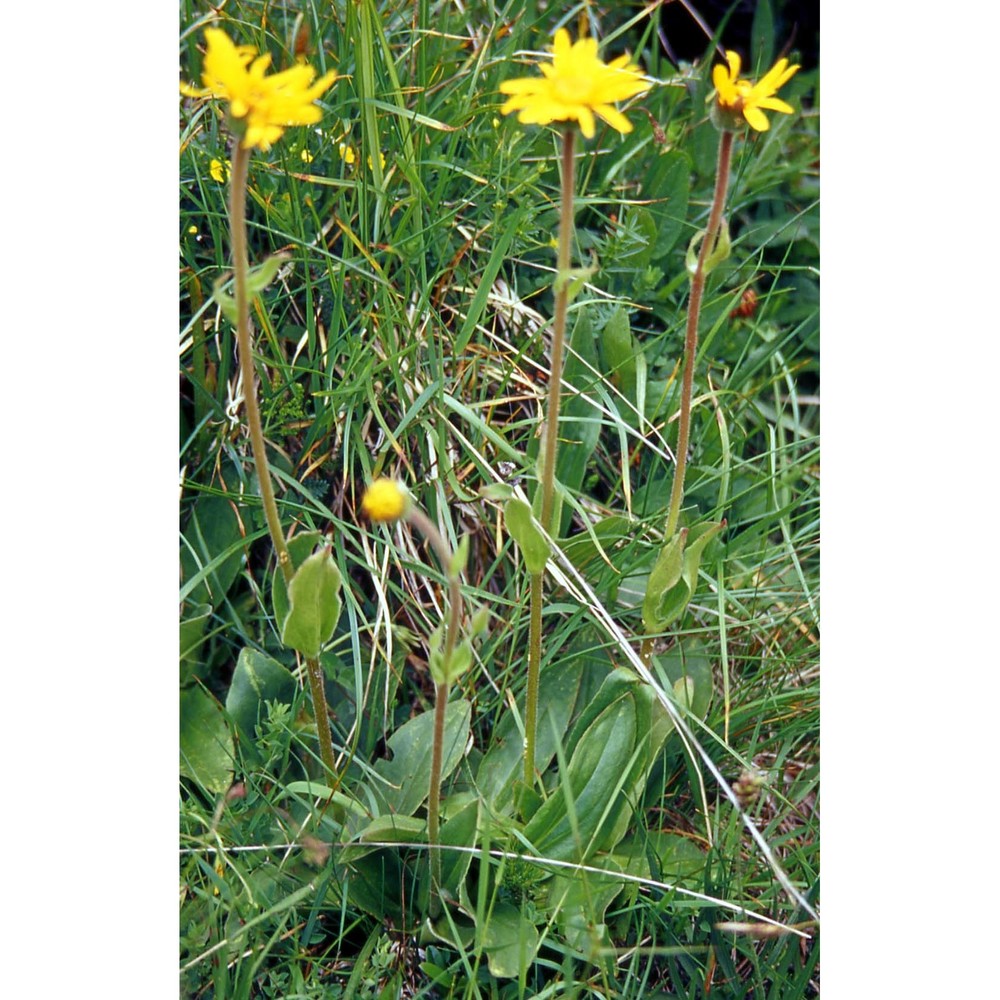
(796, 26)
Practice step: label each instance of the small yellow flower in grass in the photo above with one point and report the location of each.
(738, 101)
(261, 107)
(346, 154)
(219, 170)
(385, 500)
(306, 156)
(575, 86)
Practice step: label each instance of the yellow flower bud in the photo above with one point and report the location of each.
(385, 500)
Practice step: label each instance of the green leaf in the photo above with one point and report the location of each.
(665, 600)
(510, 941)
(669, 183)
(256, 680)
(458, 830)
(459, 661)
(258, 278)
(496, 491)
(192, 630)
(718, 252)
(618, 353)
(682, 860)
(526, 533)
(379, 881)
(212, 550)
(503, 763)
(408, 773)
(666, 572)
(315, 604)
(206, 744)
(459, 559)
(579, 419)
(573, 279)
(593, 783)
(299, 549)
(687, 660)
(628, 251)
(390, 829)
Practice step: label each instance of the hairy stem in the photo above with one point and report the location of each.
(691, 331)
(549, 445)
(558, 334)
(241, 267)
(430, 531)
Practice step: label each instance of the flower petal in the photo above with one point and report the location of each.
(586, 119)
(756, 119)
(614, 118)
(776, 104)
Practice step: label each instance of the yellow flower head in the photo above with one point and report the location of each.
(385, 500)
(261, 106)
(575, 86)
(740, 101)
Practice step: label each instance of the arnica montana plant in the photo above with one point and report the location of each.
(499, 552)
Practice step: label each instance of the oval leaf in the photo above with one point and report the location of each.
(314, 594)
(525, 532)
(206, 744)
(256, 680)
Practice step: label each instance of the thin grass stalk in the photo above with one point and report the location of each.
(241, 266)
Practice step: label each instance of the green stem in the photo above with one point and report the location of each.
(315, 674)
(549, 445)
(691, 332)
(430, 531)
(241, 266)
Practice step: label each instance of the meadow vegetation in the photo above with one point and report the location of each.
(360, 671)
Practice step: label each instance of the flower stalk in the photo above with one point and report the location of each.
(441, 690)
(260, 108)
(550, 445)
(576, 87)
(384, 501)
(244, 341)
(708, 244)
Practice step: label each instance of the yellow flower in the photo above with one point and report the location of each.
(741, 100)
(385, 500)
(575, 86)
(346, 153)
(261, 106)
(219, 170)
(306, 156)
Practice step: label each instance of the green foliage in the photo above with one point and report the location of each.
(407, 775)
(206, 744)
(406, 333)
(525, 532)
(313, 604)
